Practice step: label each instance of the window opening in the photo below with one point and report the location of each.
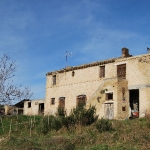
(81, 100)
(73, 73)
(29, 104)
(54, 79)
(62, 102)
(109, 96)
(52, 101)
(102, 71)
(121, 71)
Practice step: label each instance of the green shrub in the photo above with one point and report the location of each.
(103, 125)
(60, 112)
(51, 123)
(80, 115)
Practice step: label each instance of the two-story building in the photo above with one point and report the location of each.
(118, 87)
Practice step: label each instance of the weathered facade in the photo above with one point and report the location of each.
(34, 107)
(117, 87)
(16, 109)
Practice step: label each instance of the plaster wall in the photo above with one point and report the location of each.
(34, 109)
(87, 81)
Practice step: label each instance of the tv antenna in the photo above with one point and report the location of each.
(148, 50)
(68, 54)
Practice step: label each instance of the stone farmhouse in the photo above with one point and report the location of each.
(118, 87)
(26, 107)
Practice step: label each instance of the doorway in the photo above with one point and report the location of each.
(41, 108)
(134, 102)
(109, 110)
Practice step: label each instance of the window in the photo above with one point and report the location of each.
(102, 71)
(52, 101)
(54, 79)
(62, 102)
(121, 71)
(29, 104)
(109, 96)
(81, 100)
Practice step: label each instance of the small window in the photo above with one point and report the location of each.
(73, 73)
(54, 79)
(62, 102)
(29, 104)
(123, 108)
(109, 96)
(102, 71)
(52, 101)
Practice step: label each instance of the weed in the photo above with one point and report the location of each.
(103, 125)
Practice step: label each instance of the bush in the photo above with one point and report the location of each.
(80, 115)
(51, 123)
(60, 112)
(103, 125)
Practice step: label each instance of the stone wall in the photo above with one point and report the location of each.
(87, 81)
(32, 109)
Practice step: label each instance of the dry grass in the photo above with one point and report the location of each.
(126, 135)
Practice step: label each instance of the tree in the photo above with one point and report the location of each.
(8, 90)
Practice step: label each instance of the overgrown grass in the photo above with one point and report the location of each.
(49, 133)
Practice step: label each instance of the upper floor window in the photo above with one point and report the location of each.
(121, 71)
(102, 71)
(54, 80)
(109, 96)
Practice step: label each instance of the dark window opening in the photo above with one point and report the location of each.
(81, 101)
(134, 102)
(73, 73)
(52, 101)
(123, 108)
(102, 71)
(109, 96)
(29, 104)
(54, 79)
(121, 71)
(62, 102)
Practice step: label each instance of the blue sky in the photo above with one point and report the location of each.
(37, 34)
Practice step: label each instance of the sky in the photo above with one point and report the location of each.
(37, 34)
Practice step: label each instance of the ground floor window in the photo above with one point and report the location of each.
(81, 100)
(62, 102)
(52, 101)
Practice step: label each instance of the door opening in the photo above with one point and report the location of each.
(41, 108)
(134, 103)
(109, 110)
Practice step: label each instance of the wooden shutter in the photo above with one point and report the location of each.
(62, 102)
(121, 71)
(102, 71)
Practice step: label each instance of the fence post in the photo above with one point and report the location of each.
(30, 127)
(10, 127)
(2, 124)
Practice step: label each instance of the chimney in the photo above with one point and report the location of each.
(125, 52)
